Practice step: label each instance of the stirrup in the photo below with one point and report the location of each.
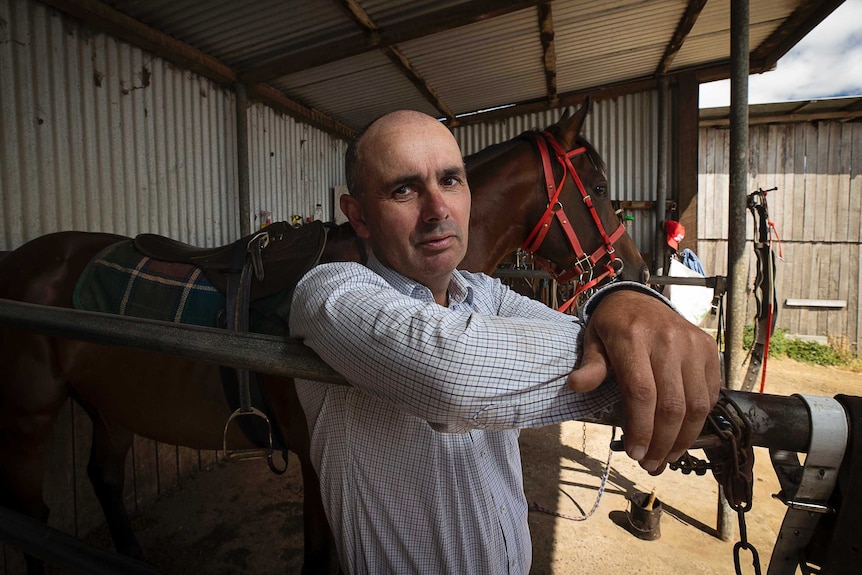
(252, 453)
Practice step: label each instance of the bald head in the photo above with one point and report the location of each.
(370, 140)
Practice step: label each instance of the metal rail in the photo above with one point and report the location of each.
(58, 548)
(709, 281)
(778, 422)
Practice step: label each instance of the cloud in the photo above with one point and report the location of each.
(826, 63)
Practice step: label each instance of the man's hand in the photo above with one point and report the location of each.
(666, 368)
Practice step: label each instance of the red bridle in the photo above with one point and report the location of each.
(585, 267)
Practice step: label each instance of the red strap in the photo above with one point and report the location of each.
(584, 264)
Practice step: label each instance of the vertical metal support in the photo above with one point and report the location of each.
(658, 257)
(242, 163)
(736, 271)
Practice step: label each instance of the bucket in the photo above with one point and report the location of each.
(645, 516)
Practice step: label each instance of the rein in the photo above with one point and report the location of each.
(585, 268)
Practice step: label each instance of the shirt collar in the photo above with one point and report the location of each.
(460, 291)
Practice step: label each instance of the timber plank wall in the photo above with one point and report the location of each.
(817, 211)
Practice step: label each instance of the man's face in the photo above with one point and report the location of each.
(415, 207)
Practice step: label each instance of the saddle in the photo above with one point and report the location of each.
(256, 266)
(279, 255)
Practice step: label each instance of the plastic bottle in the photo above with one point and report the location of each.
(318, 213)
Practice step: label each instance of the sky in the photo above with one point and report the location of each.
(827, 63)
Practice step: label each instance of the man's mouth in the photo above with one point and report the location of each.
(438, 242)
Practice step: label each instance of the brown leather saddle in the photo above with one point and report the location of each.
(279, 256)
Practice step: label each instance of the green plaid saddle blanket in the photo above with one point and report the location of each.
(121, 280)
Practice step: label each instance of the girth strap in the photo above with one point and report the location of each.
(246, 263)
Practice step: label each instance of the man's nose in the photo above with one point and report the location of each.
(434, 205)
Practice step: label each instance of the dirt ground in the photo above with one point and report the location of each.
(240, 518)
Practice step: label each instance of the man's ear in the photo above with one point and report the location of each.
(352, 208)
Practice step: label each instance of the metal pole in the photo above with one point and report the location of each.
(658, 257)
(775, 421)
(242, 163)
(736, 272)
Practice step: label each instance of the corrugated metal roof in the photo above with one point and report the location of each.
(354, 60)
(482, 63)
(709, 40)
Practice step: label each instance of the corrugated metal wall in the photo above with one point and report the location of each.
(98, 135)
(623, 129)
(817, 211)
(293, 166)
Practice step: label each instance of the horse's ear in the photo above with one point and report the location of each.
(570, 126)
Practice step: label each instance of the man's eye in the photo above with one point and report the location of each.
(402, 191)
(450, 181)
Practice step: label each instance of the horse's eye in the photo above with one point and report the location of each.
(601, 189)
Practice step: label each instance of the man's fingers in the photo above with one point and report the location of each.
(699, 398)
(638, 389)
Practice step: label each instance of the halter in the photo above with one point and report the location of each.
(585, 267)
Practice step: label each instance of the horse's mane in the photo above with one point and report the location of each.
(489, 152)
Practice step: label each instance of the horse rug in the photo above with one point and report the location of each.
(120, 280)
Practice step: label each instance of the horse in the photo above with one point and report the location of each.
(181, 402)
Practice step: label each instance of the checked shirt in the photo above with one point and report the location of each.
(418, 461)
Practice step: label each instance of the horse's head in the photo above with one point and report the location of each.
(551, 188)
(578, 235)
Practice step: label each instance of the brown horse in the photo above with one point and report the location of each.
(181, 402)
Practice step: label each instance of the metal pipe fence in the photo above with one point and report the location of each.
(777, 422)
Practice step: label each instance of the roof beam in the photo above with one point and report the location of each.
(404, 31)
(362, 19)
(804, 19)
(566, 99)
(686, 23)
(549, 52)
(778, 118)
(104, 18)
(115, 23)
(406, 68)
(314, 118)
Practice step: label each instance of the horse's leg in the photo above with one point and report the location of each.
(21, 489)
(31, 395)
(106, 470)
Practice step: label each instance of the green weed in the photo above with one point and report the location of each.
(837, 352)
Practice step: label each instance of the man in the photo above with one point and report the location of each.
(418, 461)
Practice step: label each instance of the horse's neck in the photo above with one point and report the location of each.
(491, 241)
(342, 245)
(504, 204)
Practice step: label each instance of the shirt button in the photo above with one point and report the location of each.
(503, 509)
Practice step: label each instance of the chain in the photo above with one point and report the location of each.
(744, 544)
(732, 464)
(538, 507)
